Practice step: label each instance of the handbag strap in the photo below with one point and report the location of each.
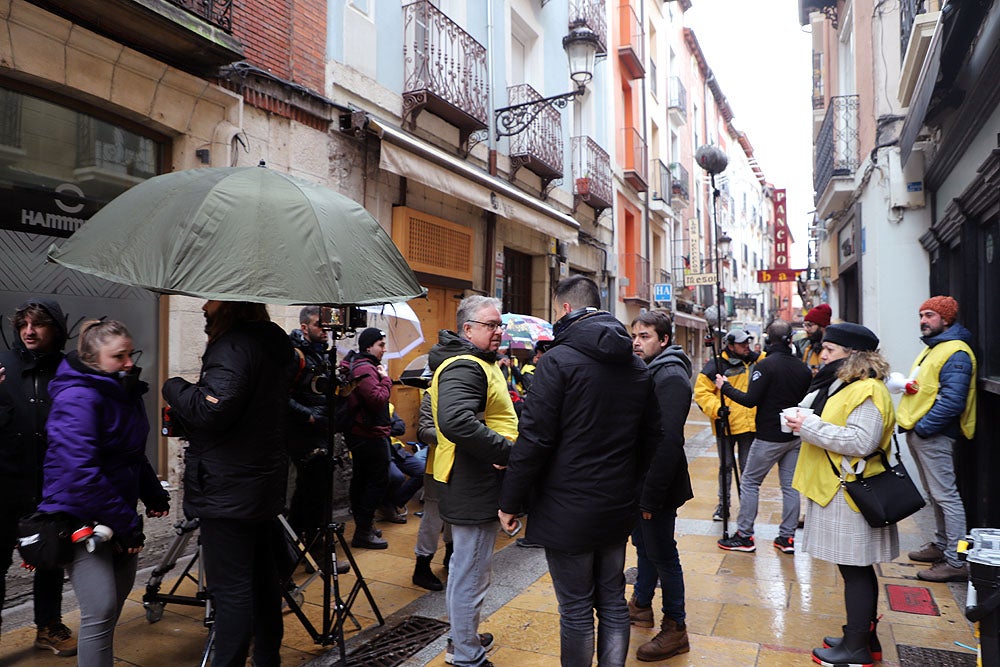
(879, 453)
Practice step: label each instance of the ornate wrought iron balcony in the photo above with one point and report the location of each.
(661, 181)
(591, 174)
(837, 143)
(193, 35)
(444, 70)
(590, 13)
(539, 147)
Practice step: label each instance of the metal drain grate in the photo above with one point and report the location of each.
(392, 647)
(915, 656)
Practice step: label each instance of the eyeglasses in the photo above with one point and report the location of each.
(492, 326)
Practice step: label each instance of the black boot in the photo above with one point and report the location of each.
(851, 652)
(874, 645)
(365, 538)
(423, 577)
(449, 549)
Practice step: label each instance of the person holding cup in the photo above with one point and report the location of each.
(852, 418)
(780, 380)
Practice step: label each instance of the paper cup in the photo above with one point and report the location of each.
(790, 412)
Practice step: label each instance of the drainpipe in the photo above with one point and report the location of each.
(491, 142)
(645, 140)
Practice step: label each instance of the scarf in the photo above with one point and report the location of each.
(823, 386)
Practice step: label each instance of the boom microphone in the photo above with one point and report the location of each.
(712, 159)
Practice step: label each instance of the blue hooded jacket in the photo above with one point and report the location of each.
(955, 375)
(96, 467)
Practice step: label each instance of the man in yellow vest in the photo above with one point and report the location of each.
(938, 406)
(476, 426)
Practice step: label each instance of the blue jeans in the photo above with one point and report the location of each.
(406, 476)
(935, 459)
(101, 581)
(469, 576)
(584, 582)
(763, 455)
(658, 560)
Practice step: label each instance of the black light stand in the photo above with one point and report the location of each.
(714, 161)
(336, 608)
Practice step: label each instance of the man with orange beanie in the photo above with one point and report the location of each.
(816, 322)
(939, 408)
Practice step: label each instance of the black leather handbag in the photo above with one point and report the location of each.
(887, 497)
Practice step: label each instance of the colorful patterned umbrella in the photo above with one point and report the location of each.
(523, 331)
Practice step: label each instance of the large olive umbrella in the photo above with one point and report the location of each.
(241, 234)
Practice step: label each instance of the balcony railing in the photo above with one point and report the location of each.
(539, 147)
(591, 174)
(444, 70)
(677, 99)
(908, 11)
(631, 50)
(634, 158)
(837, 142)
(217, 12)
(818, 92)
(662, 275)
(634, 283)
(590, 13)
(661, 180)
(680, 183)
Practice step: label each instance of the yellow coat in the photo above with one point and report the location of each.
(706, 395)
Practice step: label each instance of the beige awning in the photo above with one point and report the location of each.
(407, 156)
(689, 321)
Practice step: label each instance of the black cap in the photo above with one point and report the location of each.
(369, 337)
(854, 336)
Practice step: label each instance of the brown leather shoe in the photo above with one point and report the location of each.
(671, 640)
(929, 553)
(942, 571)
(640, 617)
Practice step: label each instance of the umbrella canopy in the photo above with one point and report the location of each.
(241, 234)
(523, 331)
(401, 326)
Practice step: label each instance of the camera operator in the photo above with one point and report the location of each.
(235, 472)
(308, 440)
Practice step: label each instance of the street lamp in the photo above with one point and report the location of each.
(581, 46)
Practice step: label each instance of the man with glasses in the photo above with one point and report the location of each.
(476, 427)
(25, 372)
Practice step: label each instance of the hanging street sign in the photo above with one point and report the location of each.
(779, 275)
(662, 291)
(691, 279)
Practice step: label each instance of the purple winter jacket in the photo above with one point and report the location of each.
(96, 467)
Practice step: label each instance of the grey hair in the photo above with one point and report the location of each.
(471, 305)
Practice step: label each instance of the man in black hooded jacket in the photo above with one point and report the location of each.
(25, 372)
(236, 470)
(585, 438)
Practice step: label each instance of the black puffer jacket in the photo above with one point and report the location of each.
(586, 436)
(472, 493)
(235, 465)
(779, 381)
(308, 396)
(667, 485)
(24, 408)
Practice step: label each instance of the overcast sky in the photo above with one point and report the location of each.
(763, 60)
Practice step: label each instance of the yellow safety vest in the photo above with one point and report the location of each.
(813, 477)
(498, 416)
(928, 376)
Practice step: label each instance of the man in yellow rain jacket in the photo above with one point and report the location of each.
(737, 365)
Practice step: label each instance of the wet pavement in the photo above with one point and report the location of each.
(766, 609)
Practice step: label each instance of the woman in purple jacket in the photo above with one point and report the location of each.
(96, 470)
